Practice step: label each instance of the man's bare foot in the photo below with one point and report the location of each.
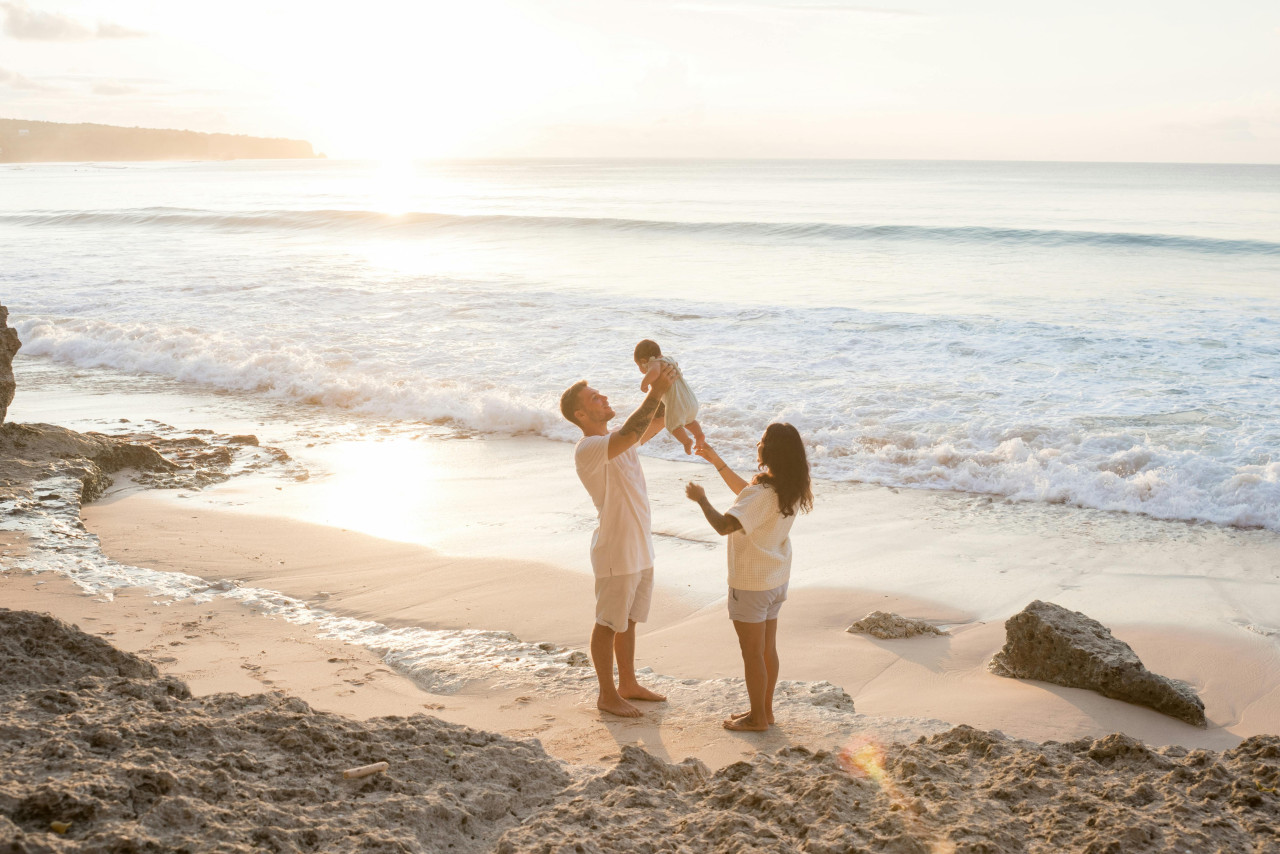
(744, 724)
(619, 707)
(639, 692)
(740, 715)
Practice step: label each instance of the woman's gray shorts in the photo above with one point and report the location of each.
(756, 606)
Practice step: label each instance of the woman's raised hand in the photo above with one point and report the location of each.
(707, 452)
(694, 492)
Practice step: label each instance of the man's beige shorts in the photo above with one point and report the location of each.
(622, 598)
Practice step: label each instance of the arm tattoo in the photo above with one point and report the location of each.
(640, 419)
(724, 525)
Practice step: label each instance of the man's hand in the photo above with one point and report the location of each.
(637, 424)
(694, 492)
(663, 380)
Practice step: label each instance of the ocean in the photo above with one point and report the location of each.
(1099, 335)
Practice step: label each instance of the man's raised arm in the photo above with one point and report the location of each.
(637, 423)
(655, 426)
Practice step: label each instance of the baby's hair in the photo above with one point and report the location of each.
(647, 350)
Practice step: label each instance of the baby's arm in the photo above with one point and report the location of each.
(650, 375)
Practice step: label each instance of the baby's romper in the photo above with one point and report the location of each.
(682, 406)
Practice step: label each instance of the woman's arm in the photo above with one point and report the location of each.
(724, 525)
(731, 478)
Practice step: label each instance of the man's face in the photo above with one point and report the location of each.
(594, 406)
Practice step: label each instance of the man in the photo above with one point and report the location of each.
(622, 547)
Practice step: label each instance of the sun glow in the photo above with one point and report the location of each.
(387, 489)
(425, 81)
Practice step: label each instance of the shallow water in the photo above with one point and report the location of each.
(1102, 335)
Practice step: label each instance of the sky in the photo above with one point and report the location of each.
(1125, 80)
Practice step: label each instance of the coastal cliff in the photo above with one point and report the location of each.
(45, 142)
(9, 345)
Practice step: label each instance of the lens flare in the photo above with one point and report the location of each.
(863, 757)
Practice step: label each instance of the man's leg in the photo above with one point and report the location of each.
(602, 644)
(751, 642)
(624, 647)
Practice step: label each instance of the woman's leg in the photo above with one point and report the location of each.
(770, 665)
(770, 670)
(751, 640)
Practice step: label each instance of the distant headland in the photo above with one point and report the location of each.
(45, 142)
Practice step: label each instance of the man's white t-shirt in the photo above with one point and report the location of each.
(759, 554)
(622, 543)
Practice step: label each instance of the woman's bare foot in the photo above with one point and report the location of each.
(740, 715)
(744, 724)
(619, 707)
(639, 692)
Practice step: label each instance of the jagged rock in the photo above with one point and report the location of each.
(9, 345)
(886, 626)
(92, 736)
(31, 450)
(1052, 644)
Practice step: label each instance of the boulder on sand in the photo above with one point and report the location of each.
(886, 626)
(1052, 644)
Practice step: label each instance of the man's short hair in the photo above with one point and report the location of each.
(569, 401)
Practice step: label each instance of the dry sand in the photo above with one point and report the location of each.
(905, 684)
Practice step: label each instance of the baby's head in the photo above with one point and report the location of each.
(645, 351)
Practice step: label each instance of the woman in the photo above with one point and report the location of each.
(758, 526)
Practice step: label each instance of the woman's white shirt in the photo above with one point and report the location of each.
(759, 554)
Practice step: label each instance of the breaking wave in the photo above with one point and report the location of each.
(308, 220)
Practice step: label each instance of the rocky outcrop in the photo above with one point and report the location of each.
(29, 452)
(9, 345)
(101, 754)
(886, 626)
(1052, 644)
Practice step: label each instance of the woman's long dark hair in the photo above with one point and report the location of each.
(782, 453)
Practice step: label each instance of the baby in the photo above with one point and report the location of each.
(682, 406)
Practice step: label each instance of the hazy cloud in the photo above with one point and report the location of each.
(14, 80)
(27, 24)
(114, 89)
(836, 6)
(108, 30)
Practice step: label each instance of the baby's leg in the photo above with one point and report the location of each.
(683, 438)
(700, 441)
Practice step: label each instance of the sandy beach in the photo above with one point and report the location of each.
(314, 592)
(959, 561)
